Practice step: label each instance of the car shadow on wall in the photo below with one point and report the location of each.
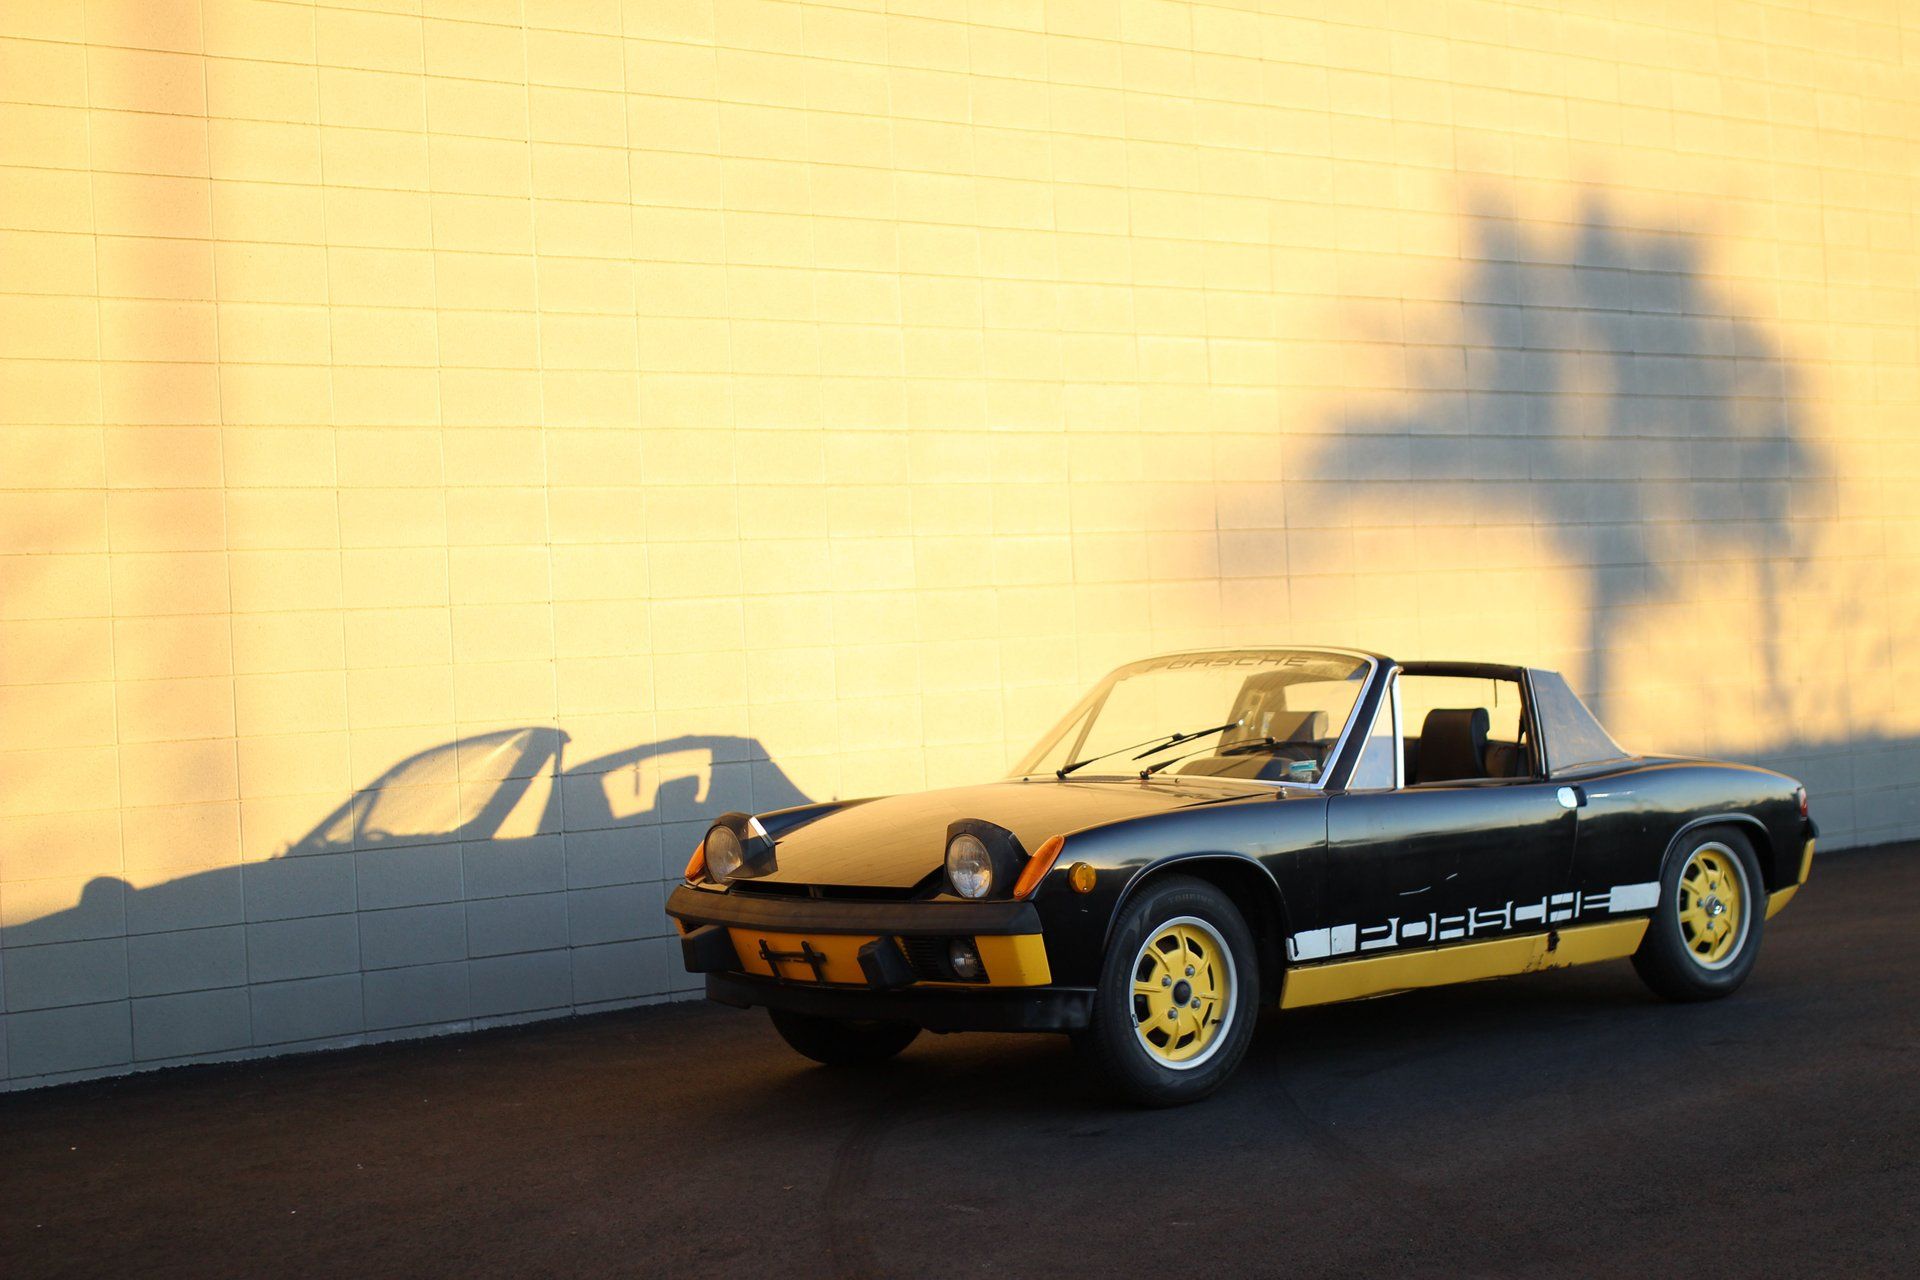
(518, 881)
(514, 784)
(1606, 390)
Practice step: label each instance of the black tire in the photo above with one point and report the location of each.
(841, 1043)
(1675, 958)
(1118, 1045)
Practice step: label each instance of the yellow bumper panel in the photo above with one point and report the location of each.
(792, 956)
(1781, 897)
(1013, 960)
(1467, 962)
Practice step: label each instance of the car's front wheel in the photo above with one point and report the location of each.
(1178, 994)
(842, 1042)
(1705, 934)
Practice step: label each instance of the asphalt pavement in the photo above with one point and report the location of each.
(1559, 1124)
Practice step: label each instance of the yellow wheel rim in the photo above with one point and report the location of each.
(1712, 903)
(1184, 988)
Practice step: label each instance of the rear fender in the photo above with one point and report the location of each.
(1751, 827)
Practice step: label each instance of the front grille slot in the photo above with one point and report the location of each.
(768, 888)
(823, 892)
(928, 957)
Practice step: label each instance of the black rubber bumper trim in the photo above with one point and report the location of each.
(826, 915)
(708, 949)
(885, 965)
(984, 1009)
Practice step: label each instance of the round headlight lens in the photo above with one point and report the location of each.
(969, 866)
(724, 853)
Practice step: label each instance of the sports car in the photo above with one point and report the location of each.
(1209, 832)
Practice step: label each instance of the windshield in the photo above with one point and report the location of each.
(1268, 714)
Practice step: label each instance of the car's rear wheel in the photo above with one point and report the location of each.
(1705, 934)
(1178, 994)
(841, 1042)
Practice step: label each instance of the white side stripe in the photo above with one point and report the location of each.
(1345, 939)
(1310, 945)
(1636, 897)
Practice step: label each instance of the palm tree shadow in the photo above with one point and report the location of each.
(1604, 389)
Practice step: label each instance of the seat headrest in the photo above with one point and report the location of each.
(1297, 726)
(1453, 744)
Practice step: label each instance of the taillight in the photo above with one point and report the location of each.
(1800, 795)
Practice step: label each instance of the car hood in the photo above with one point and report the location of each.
(895, 842)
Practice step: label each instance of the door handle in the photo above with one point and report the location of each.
(1571, 797)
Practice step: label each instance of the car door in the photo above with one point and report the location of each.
(1428, 858)
(1374, 869)
(1503, 843)
(1502, 858)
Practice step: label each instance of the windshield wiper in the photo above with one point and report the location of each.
(1179, 738)
(1265, 743)
(1152, 744)
(1170, 761)
(1239, 749)
(1066, 769)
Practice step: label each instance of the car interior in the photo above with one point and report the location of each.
(1279, 727)
(1470, 728)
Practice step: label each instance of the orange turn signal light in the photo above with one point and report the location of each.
(1080, 877)
(697, 864)
(1038, 865)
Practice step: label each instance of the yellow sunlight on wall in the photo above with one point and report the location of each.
(750, 401)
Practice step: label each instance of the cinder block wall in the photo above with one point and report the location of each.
(452, 447)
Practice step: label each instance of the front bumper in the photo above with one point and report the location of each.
(935, 1008)
(846, 959)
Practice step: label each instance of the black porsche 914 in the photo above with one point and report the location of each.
(1210, 831)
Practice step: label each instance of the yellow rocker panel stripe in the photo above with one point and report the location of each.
(1467, 962)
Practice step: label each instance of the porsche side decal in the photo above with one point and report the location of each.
(1391, 971)
(1426, 930)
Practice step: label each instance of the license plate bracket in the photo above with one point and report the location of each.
(814, 960)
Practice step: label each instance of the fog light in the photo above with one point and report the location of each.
(964, 960)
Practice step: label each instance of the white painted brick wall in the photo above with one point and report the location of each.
(783, 400)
